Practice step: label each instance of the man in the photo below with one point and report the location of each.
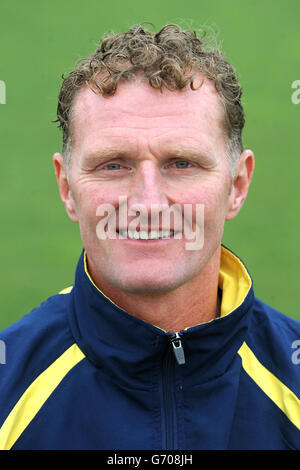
(160, 343)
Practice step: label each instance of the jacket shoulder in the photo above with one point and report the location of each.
(50, 313)
(273, 338)
(273, 322)
(31, 345)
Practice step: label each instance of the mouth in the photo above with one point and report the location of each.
(144, 235)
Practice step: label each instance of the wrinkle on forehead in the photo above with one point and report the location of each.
(134, 93)
(132, 107)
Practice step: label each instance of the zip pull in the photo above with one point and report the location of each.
(178, 349)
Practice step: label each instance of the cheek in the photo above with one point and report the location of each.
(97, 212)
(214, 204)
(213, 199)
(89, 199)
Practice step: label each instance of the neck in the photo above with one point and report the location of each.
(195, 302)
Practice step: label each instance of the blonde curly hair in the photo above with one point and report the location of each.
(168, 58)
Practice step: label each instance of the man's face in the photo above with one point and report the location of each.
(156, 149)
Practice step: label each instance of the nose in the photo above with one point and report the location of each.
(147, 193)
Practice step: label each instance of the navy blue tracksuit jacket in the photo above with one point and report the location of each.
(81, 373)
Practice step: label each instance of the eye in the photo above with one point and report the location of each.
(182, 164)
(113, 166)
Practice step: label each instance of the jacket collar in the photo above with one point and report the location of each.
(129, 349)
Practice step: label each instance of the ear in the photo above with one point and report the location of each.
(63, 186)
(241, 182)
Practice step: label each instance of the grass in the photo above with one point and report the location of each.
(42, 40)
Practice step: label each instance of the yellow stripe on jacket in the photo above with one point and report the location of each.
(276, 390)
(35, 396)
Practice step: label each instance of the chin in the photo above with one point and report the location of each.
(147, 289)
(150, 285)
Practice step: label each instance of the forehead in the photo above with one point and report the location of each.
(139, 108)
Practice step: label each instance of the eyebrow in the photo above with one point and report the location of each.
(189, 152)
(202, 154)
(105, 153)
(177, 152)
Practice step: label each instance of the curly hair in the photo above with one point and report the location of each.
(169, 58)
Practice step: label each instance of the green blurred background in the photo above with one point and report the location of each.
(40, 40)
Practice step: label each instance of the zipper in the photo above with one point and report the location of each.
(178, 349)
(175, 351)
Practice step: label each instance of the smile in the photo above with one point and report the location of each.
(143, 235)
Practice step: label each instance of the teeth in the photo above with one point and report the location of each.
(143, 235)
(166, 234)
(153, 235)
